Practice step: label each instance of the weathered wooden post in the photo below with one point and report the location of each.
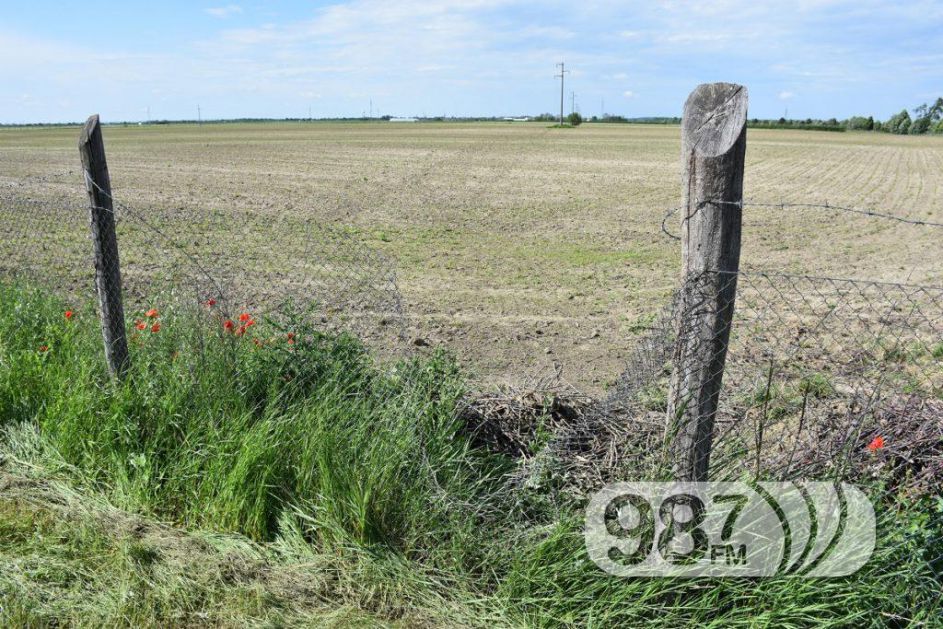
(102, 222)
(713, 141)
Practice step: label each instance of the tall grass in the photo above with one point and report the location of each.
(295, 437)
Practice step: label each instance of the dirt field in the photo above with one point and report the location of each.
(518, 245)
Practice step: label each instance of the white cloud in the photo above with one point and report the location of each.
(484, 57)
(696, 38)
(224, 12)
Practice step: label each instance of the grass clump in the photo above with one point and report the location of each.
(285, 450)
(213, 428)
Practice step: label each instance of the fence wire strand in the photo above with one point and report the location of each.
(825, 207)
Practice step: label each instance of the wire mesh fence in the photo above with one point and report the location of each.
(821, 376)
(233, 264)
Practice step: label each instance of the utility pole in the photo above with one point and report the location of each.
(199, 116)
(563, 71)
(572, 102)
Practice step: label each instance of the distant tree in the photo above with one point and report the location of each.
(859, 123)
(575, 119)
(899, 124)
(920, 125)
(936, 110)
(926, 117)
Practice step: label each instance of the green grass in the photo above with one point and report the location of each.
(306, 484)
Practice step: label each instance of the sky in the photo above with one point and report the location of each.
(129, 61)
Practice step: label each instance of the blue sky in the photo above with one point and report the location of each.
(60, 61)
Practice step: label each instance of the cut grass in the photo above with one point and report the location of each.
(304, 483)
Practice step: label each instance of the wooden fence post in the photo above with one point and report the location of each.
(713, 139)
(102, 222)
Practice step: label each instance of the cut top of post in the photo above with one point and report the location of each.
(92, 151)
(715, 115)
(90, 125)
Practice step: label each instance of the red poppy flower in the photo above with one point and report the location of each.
(68, 315)
(140, 325)
(44, 348)
(228, 325)
(244, 317)
(250, 323)
(155, 328)
(211, 302)
(151, 314)
(291, 338)
(876, 444)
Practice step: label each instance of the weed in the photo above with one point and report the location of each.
(817, 385)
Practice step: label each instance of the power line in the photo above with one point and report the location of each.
(560, 76)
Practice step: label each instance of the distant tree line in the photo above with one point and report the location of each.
(926, 119)
(809, 124)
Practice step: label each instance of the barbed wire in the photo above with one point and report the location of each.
(783, 205)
